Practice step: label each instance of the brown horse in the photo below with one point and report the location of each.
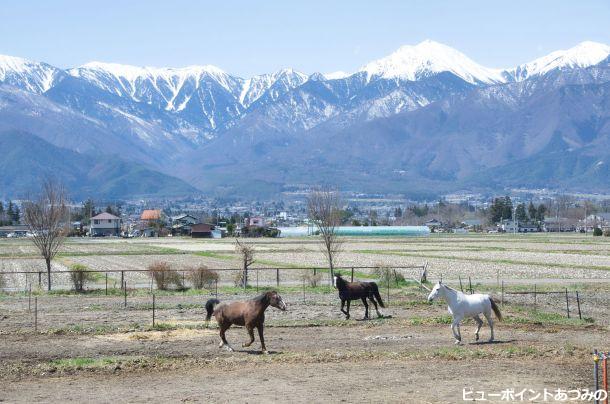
(249, 313)
(349, 291)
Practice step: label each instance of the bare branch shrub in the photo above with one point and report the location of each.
(324, 208)
(202, 277)
(387, 275)
(246, 253)
(80, 276)
(47, 220)
(164, 276)
(238, 279)
(310, 279)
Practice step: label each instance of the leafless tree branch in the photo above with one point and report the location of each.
(47, 219)
(324, 207)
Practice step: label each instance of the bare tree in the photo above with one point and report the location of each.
(247, 258)
(47, 219)
(324, 207)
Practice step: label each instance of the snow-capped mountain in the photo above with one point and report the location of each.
(428, 98)
(582, 55)
(275, 84)
(426, 59)
(28, 75)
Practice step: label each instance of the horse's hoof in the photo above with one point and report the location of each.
(476, 337)
(458, 342)
(228, 348)
(265, 352)
(245, 345)
(490, 340)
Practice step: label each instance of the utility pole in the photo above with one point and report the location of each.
(515, 223)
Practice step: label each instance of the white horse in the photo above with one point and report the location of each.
(462, 305)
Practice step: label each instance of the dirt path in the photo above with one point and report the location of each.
(374, 381)
(376, 361)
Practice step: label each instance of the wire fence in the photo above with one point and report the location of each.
(258, 277)
(127, 297)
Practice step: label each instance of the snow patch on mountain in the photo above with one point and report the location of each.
(336, 75)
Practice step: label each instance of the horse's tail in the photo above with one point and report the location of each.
(209, 308)
(496, 309)
(377, 295)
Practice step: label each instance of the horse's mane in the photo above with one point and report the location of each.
(261, 297)
(449, 287)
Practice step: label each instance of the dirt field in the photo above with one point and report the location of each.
(90, 347)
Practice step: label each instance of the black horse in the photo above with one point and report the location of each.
(349, 291)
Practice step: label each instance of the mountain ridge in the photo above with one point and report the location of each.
(426, 112)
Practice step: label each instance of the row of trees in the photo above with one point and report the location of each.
(10, 215)
(502, 208)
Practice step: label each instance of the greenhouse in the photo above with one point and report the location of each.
(407, 231)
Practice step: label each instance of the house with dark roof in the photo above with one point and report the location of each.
(105, 224)
(202, 230)
(182, 225)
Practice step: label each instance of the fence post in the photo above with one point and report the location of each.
(304, 286)
(502, 293)
(183, 284)
(461, 288)
(30, 299)
(256, 280)
(605, 375)
(578, 304)
(39, 280)
(36, 314)
(122, 278)
(535, 298)
(595, 372)
(277, 277)
(567, 303)
(106, 283)
(216, 281)
(125, 294)
(153, 296)
(388, 287)
(470, 284)
(352, 274)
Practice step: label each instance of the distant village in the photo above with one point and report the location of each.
(211, 218)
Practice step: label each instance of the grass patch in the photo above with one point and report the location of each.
(211, 254)
(444, 319)
(528, 316)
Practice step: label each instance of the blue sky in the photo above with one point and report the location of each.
(251, 37)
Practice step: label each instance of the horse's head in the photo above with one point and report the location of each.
(337, 279)
(276, 301)
(435, 291)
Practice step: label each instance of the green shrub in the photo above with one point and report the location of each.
(80, 276)
(597, 231)
(164, 276)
